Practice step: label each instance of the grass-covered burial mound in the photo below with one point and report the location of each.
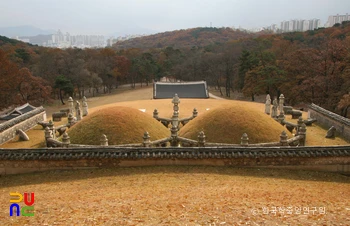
(121, 125)
(227, 123)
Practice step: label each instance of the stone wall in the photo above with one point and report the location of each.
(331, 158)
(327, 119)
(24, 122)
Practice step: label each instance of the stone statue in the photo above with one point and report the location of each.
(78, 111)
(71, 105)
(268, 104)
(85, 107)
(274, 108)
(268, 97)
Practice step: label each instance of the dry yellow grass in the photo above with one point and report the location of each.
(121, 125)
(227, 123)
(179, 196)
(36, 140)
(121, 94)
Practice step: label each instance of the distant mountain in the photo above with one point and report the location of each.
(201, 36)
(38, 39)
(25, 30)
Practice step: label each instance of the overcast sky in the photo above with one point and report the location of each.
(109, 16)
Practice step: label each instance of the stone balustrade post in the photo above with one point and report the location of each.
(52, 128)
(70, 120)
(194, 113)
(299, 124)
(155, 114)
(48, 134)
(302, 133)
(284, 139)
(201, 139)
(65, 140)
(281, 117)
(244, 140)
(146, 139)
(104, 140)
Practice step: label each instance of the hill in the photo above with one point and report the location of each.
(307, 67)
(13, 42)
(201, 36)
(6, 40)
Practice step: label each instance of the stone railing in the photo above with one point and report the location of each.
(193, 152)
(330, 158)
(327, 119)
(89, 152)
(24, 122)
(330, 114)
(298, 140)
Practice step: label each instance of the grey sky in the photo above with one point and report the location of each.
(109, 16)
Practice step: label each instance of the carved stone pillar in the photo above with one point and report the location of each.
(281, 103)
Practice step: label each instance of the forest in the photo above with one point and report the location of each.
(307, 67)
(202, 36)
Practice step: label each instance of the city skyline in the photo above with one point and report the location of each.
(108, 17)
(66, 40)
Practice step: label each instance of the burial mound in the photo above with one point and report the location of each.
(228, 122)
(121, 125)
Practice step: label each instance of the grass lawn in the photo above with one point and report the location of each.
(180, 196)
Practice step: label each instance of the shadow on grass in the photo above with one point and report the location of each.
(74, 175)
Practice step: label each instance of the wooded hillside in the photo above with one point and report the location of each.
(201, 36)
(307, 67)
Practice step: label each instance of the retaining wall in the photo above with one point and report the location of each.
(331, 158)
(327, 119)
(24, 122)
